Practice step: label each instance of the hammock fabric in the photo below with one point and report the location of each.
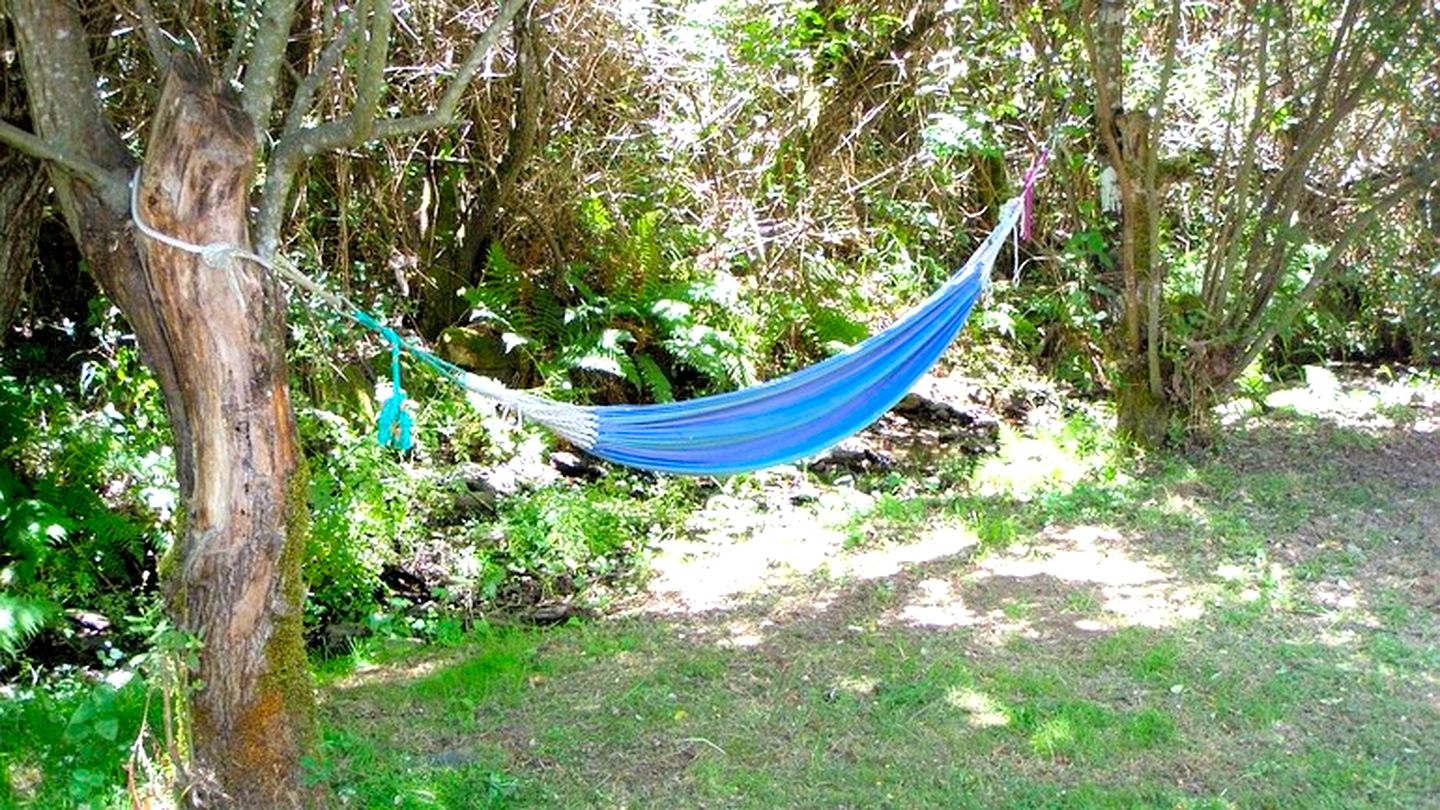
(784, 419)
(772, 423)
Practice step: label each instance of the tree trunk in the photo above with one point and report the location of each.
(214, 339)
(443, 306)
(22, 184)
(1143, 408)
(235, 577)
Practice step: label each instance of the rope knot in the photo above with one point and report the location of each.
(219, 256)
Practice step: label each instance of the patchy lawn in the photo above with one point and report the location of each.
(1255, 627)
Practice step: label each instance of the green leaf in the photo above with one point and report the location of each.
(19, 620)
(107, 728)
(654, 377)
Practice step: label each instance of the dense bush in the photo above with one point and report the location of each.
(87, 501)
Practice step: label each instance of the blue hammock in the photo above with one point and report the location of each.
(784, 419)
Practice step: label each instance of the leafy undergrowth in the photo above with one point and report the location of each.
(1253, 628)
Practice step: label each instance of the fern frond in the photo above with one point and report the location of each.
(654, 378)
(20, 619)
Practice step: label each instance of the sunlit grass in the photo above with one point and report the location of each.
(1145, 641)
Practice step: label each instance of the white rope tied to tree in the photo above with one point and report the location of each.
(570, 422)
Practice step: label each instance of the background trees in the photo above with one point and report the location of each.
(1289, 116)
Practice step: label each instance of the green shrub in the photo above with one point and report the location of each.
(87, 500)
(568, 540)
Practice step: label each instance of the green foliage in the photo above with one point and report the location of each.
(65, 742)
(565, 541)
(637, 314)
(364, 503)
(86, 498)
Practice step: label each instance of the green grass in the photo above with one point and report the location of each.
(1262, 695)
(1239, 629)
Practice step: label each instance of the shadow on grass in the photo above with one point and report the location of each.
(1254, 627)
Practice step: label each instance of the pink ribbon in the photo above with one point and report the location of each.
(1032, 175)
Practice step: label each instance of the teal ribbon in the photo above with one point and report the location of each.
(395, 428)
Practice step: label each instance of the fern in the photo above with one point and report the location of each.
(654, 378)
(643, 248)
(20, 619)
(642, 324)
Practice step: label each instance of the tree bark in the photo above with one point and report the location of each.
(235, 580)
(22, 186)
(214, 338)
(1143, 410)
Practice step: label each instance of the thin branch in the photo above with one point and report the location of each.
(33, 145)
(241, 41)
(1421, 176)
(370, 84)
(1318, 128)
(1156, 276)
(336, 134)
(298, 145)
(304, 99)
(267, 59)
(1230, 243)
(155, 38)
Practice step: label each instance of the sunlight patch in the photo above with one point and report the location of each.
(368, 674)
(744, 633)
(944, 541)
(981, 710)
(1028, 465)
(858, 685)
(1132, 590)
(714, 570)
(1088, 560)
(938, 605)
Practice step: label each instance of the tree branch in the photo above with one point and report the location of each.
(370, 84)
(335, 134)
(1421, 176)
(154, 37)
(298, 145)
(304, 98)
(106, 183)
(242, 39)
(1156, 277)
(267, 58)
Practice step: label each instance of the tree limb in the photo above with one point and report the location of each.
(104, 181)
(304, 99)
(1103, 43)
(370, 84)
(1155, 282)
(1227, 248)
(299, 145)
(241, 41)
(154, 37)
(267, 58)
(1421, 176)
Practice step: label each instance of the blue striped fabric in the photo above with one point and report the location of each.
(806, 412)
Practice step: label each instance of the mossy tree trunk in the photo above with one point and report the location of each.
(214, 339)
(1128, 136)
(235, 578)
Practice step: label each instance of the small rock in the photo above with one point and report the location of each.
(571, 465)
(852, 456)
